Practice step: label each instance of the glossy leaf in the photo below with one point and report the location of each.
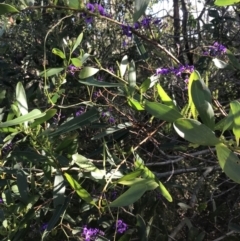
(226, 123)
(132, 77)
(59, 53)
(93, 82)
(235, 110)
(51, 72)
(162, 112)
(6, 8)
(22, 186)
(87, 72)
(21, 99)
(222, 3)
(145, 85)
(135, 104)
(48, 115)
(219, 63)
(165, 98)
(123, 65)
(58, 190)
(229, 162)
(195, 132)
(130, 176)
(76, 62)
(34, 114)
(82, 193)
(165, 192)
(85, 164)
(77, 122)
(202, 99)
(139, 8)
(78, 42)
(74, 4)
(134, 193)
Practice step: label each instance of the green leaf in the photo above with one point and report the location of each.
(226, 123)
(162, 112)
(135, 104)
(21, 99)
(132, 77)
(142, 230)
(134, 193)
(202, 99)
(123, 65)
(145, 85)
(139, 9)
(85, 164)
(87, 72)
(51, 72)
(233, 60)
(83, 120)
(82, 193)
(219, 63)
(67, 142)
(223, 3)
(59, 53)
(165, 98)
(140, 48)
(76, 62)
(78, 42)
(195, 132)
(58, 190)
(235, 109)
(48, 115)
(22, 186)
(130, 176)
(74, 4)
(93, 82)
(165, 192)
(34, 114)
(229, 162)
(6, 8)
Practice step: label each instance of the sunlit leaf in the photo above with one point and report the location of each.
(87, 72)
(51, 72)
(78, 42)
(21, 99)
(58, 190)
(85, 164)
(235, 110)
(135, 104)
(223, 3)
(76, 62)
(219, 63)
(93, 82)
(195, 132)
(59, 53)
(123, 65)
(229, 162)
(132, 77)
(48, 115)
(6, 8)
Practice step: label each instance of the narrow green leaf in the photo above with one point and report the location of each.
(142, 230)
(78, 42)
(130, 176)
(123, 65)
(145, 85)
(22, 186)
(229, 162)
(134, 193)
(21, 99)
(82, 193)
(76, 62)
(135, 104)
(165, 192)
(223, 3)
(132, 77)
(6, 8)
(74, 4)
(165, 97)
(48, 115)
(233, 60)
(34, 114)
(235, 109)
(58, 190)
(51, 72)
(87, 72)
(162, 112)
(139, 8)
(195, 132)
(85, 164)
(59, 53)
(93, 82)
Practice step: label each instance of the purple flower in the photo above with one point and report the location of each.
(124, 44)
(96, 94)
(146, 22)
(101, 10)
(43, 227)
(1, 201)
(89, 19)
(90, 7)
(157, 21)
(7, 148)
(111, 120)
(136, 25)
(91, 233)
(216, 49)
(72, 69)
(127, 30)
(80, 111)
(162, 71)
(121, 226)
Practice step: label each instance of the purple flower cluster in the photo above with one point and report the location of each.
(216, 49)
(121, 226)
(44, 227)
(91, 233)
(72, 69)
(6, 149)
(145, 23)
(176, 71)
